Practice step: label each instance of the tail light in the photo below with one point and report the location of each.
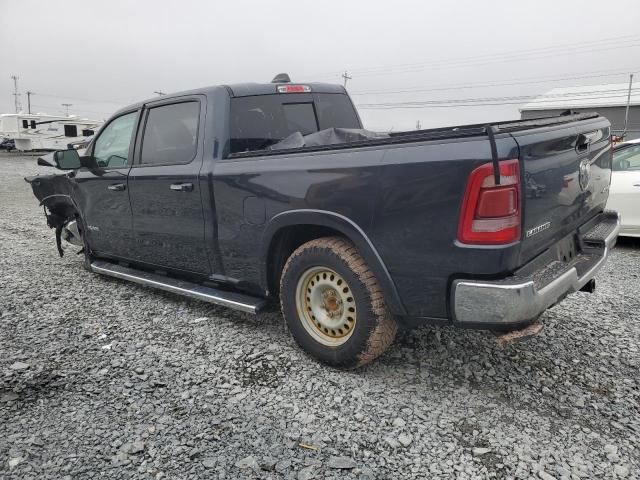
(491, 213)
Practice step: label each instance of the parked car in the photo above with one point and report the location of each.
(241, 194)
(7, 144)
(624, 194)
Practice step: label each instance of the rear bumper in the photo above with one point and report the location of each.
(520, 299)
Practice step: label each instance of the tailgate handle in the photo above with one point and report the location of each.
(583, 143)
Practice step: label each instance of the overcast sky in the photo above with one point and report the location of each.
(102, 55)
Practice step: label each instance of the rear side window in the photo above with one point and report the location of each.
(170, 134)
(260, 121)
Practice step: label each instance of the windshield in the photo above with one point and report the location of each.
(260, 121)
(627, 158)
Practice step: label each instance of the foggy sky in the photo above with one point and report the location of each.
(102, 55)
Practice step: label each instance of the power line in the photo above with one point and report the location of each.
(112, 102)
(515, 100)
(56, 108)
(520, 97)
(502, 60)
(507, 56)
(520, 81)
(543, 52)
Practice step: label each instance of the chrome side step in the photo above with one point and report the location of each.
(238, 301)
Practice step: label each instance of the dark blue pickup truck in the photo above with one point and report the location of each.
(238, 194)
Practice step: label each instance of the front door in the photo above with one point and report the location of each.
(168, 219)
(102, 191)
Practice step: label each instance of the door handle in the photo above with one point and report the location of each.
(182, 187)
(117, 187)
(636, 184)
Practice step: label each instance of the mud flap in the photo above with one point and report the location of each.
(59, 240)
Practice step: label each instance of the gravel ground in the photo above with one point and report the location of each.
(100, 378)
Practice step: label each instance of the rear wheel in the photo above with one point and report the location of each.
(333, 305)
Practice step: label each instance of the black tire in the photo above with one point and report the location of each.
(374, 328)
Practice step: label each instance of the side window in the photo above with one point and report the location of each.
(112, 146)
(170, 134)
(627, 159)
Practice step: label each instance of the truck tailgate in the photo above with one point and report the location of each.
(566, 176)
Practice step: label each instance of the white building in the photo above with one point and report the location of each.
(45, 132)
(608, 100)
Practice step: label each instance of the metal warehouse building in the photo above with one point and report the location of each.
(608, 100)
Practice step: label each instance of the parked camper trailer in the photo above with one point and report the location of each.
(45, 132)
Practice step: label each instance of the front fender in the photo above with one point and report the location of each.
(55, 193)
(350, 230)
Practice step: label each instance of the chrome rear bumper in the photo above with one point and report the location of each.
(524, 296)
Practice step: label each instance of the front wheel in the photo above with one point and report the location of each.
(333, 305)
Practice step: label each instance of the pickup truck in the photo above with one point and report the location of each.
(203, 193)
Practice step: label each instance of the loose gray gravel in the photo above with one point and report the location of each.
(100, 378)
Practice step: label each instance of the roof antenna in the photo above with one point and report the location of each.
(281, 78)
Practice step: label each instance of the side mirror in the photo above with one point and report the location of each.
(67, 159)
(88, 162)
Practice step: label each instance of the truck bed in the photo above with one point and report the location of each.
(461, 131)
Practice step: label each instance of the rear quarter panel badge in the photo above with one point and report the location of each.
(540, 228)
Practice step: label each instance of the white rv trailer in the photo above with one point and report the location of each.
(45, 132)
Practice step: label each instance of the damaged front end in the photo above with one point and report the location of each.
(54, 193)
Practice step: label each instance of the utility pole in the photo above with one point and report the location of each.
(29, 101)
(346, 77)
(418, 125)
(67, 105)
(16, 95)
(626, 113)
(159, 92)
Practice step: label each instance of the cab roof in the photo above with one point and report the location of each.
(241, 90)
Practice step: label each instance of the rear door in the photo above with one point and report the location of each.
(624, 194)
(102, 192)
(567, 170)
(168, 218)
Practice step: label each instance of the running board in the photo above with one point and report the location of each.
(238, 301)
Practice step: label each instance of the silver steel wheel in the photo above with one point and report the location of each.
(326, 306)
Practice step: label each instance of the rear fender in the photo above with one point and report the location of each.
(346, 227)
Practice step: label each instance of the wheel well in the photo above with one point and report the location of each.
(285, 242)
